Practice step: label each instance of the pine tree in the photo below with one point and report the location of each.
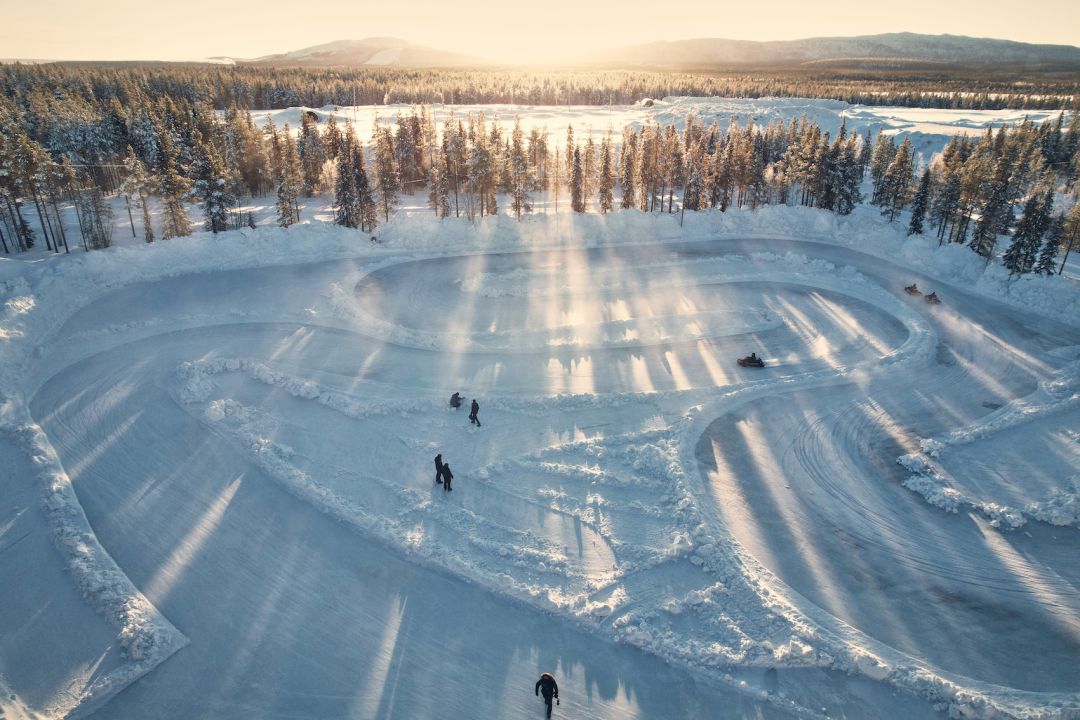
(994, 208)
(1055, 235)
(884, 153)
(629, 162)
(948, 188)
(172, 188)
(346, 197)
(369, 216)
(332, 139)
(520, 182)
(920, 203)
(290, 181)
(849, 194)
(210, 187)
(588, 170)
(895, 190)
(312, 155)
(139, 185)
(1072, 232)
(387, 180)
(1020, 257)
(606, 179)
(577, 200)
(480, 172)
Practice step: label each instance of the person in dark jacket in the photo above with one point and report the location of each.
(547, 685)
(472, 414)
(455, 400)
(439, 468)
(447, 477)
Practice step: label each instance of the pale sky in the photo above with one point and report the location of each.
(522, 31)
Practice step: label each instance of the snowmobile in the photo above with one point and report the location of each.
(912, 289)
(933, 299)
(751, 360)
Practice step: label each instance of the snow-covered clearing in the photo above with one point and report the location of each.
(219, 498)
(928, 129)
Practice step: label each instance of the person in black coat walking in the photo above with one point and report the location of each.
(547, 685)
(439, 468)
(447, 476)
(475, 409)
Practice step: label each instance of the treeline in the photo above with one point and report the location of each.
(72, 89)
(182, 151)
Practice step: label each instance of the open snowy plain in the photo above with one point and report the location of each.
(219, 498)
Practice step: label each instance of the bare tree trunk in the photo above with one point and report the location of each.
(1067, 249)
(41, 217)
(127, 204)
(17, 222)
(60, 224)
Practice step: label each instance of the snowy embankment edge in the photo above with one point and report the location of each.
(929, 479)
(838, 644)
(145, 636)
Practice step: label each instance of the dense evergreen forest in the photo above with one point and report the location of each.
(76, 134)
(92, 85)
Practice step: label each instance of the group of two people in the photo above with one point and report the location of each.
(443, 476)
(455, 402)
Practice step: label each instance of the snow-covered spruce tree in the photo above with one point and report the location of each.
(831, 174)
(140, 185)
(539, 158)
(895, 191)
(577, 201)
(439, 193)
(172, 188)
(332, 138)
(884, 153)
(456, 152)
(290, 181)
(1055, 236)
(346, 198)
(674, 167)
(948, 188)
(211, 186)
(920, 203)
(627, 165)
(520, 181)
(605, 181)
(1022, 253)
(1072, 233)
(480, 172)
(369, 216)
(312, 155)
(387, 181)
(851, 174)
(994, 208)
(588, 170)
(569, 149)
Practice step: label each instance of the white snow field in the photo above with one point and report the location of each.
(219, 499)
(928, 129)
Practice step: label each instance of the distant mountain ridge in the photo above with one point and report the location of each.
(372, 52)
(706, 53)
(903, 47)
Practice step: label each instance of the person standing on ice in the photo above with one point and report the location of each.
(547, 685)
(472, 414)
(447, 477)
(439, 468)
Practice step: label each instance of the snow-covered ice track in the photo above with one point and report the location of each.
(587, 493)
